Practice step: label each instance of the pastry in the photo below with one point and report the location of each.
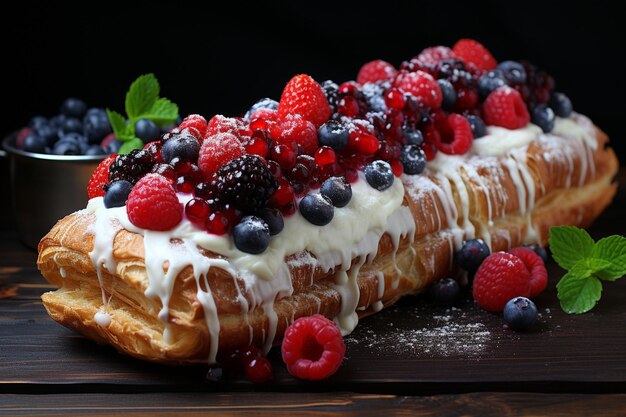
(231, 272)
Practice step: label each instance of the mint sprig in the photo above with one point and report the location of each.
(588, 264)
(142, 102)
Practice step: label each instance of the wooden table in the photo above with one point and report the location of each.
(415, 356)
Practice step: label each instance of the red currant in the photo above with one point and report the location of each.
(325, 156)
(284, 155)
(348, 106)
(259, 370)
(394, 99)
(217, 223)
(197, 211)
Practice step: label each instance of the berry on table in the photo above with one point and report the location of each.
(147, 130)
(413, 159)
(377, 70)
(259, 370)
(337, 190)
(499, 278)
(539, 250)
(251, 235)
(444, 291)
(117, 193)
(472, 253)
(543, 116)
(317, 209)
(379, 175)
(561, 104)
(536, 266)
(304, 96)
(313, 348)
(504, 107)
(152, 204)
(520, 313)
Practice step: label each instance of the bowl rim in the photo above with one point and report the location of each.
(8, 145)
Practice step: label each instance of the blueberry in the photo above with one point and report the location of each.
(478, 126)
(251, 235)
(514, 72)
(543, 116)
(71, 124)
(97, 125)
(539, 250)
(444, 291)
(113, 146)
(182, 146)
(97, 111)
(264, 103)
(413, 136)
(379, 175)
(472, 254)
(413, 159)
(337, 190)
(57, 121)
(73, 107)
(117, 193)
(67, 147)
(34, 143)
(561, 104)
(520, 313)
(37, 121)
(448, 93)
(317, 209)
(334, 134)
(147, 130)
(490, 81)
(377, 104)
(48, 133)
(274, 219)
(76, 138)
(94, 150)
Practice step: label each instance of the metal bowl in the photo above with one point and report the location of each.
(45, 188)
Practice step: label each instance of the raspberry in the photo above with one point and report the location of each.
(429, 57)
(456, 138)
(423, 86)
(152, 204)
(534, 263)
(303, 96)
(100, 178)
(292, 128)
(246, 183)
(196, 121)
(217, 151)
(499, 278)
(471, 51)
(263, 119)
(504, 107)
(222, 124)
(377, 70)
(313, 348)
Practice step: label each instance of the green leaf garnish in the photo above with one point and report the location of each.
(588, 263)
(142, 102)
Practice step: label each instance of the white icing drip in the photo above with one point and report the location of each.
(380, 277)
(576, 127)
(499, 140)
(102, 318)
(63, 272)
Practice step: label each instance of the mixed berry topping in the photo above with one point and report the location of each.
(520, 313)
(244, 175)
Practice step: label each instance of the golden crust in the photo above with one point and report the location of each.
(566, 192)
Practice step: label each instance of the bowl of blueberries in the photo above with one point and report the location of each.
(51, 161)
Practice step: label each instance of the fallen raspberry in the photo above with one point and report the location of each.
(294, 129)
(304, 96)
(152, 204)
(196, 121)
(377, 70)
(218, 150)
(100, 177)
(504, 107)
(534, 263)
(313, 348)
(499, 278)
(422, 86)
(471, 51)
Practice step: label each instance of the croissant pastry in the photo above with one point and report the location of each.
(184, 295)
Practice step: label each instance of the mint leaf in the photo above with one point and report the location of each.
(118, 122)
(578, 290)
(141, 96)
(569, 244)
(612, 250)
(130, 145)
(163, 112)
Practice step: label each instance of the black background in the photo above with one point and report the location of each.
(221, 58)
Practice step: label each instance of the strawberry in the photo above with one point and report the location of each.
(303, 96)
(504, 107)
(471, 51)
(421, 85)
(377, 70)
(100, 177)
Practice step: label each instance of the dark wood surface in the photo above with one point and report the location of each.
(436, 360)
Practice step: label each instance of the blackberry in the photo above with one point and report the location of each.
(131, 167)
(246, 183)
(330, 90)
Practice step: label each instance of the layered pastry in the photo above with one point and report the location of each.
(337, 199)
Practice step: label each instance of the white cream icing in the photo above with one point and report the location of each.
(499, 140)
